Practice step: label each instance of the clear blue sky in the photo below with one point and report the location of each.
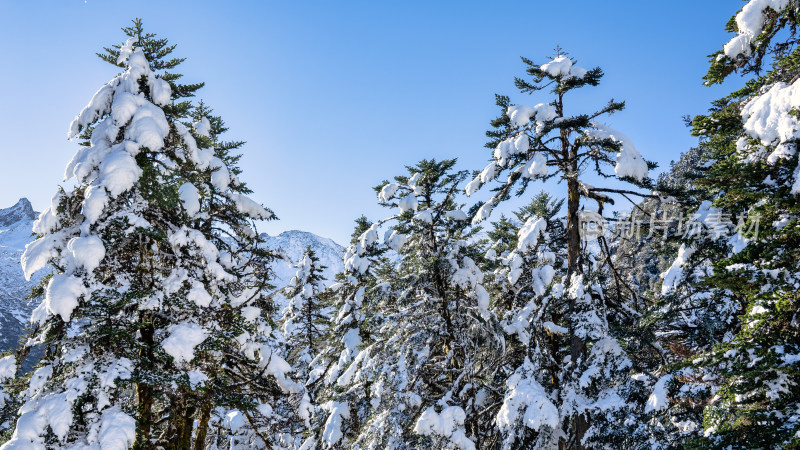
(333, 97)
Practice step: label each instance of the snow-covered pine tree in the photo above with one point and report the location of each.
(737, 284)
(350, 300)
(8, 369)
(305, 320)
(523, 258)
(422, 374)
(155, 321)
(589, 397)
(304, 325)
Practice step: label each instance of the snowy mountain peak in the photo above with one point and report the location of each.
(292, 239)
(292, 244)
(15, 232)
(22, 210)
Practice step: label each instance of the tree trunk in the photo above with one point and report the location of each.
(144, 421)
(202, 425)
(188, 428)
(180, 422)
(144, 392)
(577, 345)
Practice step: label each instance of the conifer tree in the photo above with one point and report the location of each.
(304, 321)
(419, 378)
(155, 322)
(737, 283)
(8, 407)
(523, 257)
(577, 392)
(350, 300)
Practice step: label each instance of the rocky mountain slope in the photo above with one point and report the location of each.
(15, 232)
(641, 258)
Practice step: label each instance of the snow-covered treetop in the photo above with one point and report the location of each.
(111, 96)
(768, 104)
(129, 131)
(563, 67)
(408, 194)
(750, 23)
(542, 141)
(109, 163)
(755, 25)
(305, 277)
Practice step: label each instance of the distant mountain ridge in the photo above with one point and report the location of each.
(16, 223)
(15, 232)
(19, 212)
(293, 243)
